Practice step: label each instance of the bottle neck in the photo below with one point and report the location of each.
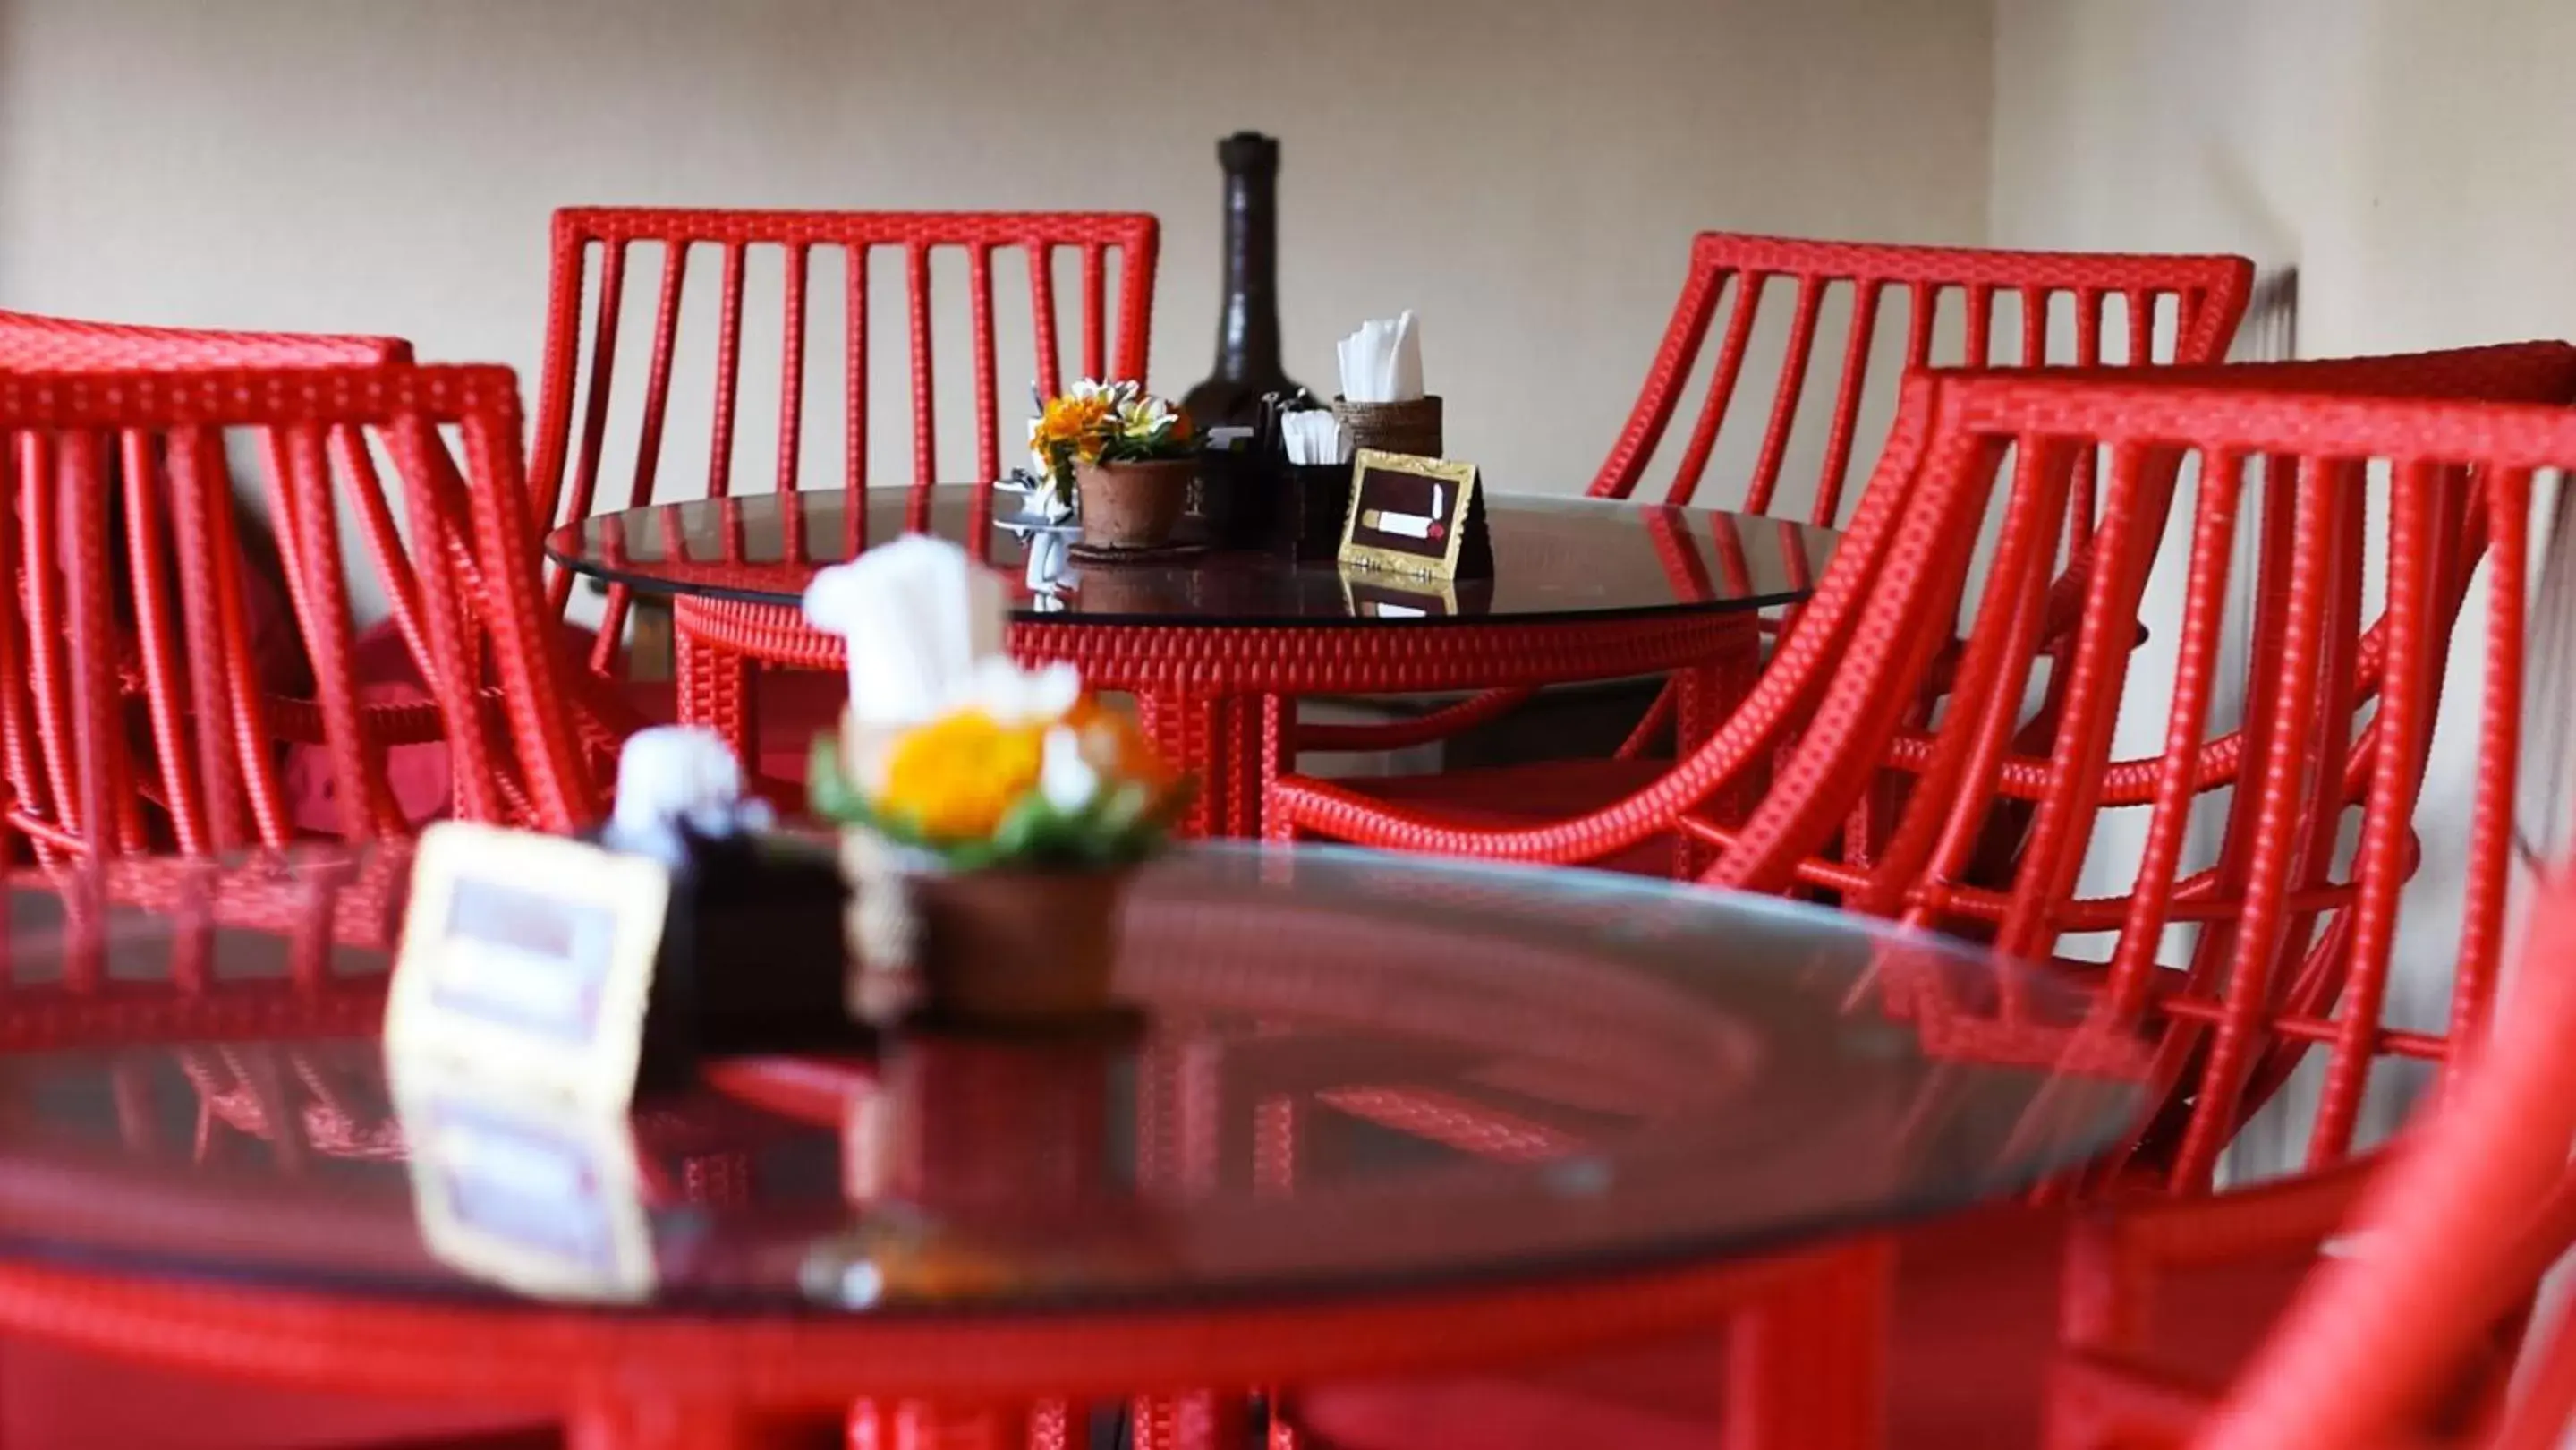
(1247, 344)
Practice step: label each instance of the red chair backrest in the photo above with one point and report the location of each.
(2292, 943)
(2192, 306)
(30, 343)
(197, 743)
(1109, 348)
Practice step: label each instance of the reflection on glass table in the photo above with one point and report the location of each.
(1561, 559)
(1344, 1075)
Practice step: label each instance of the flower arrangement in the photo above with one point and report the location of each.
(1024, 770)
(1104, 423)
(990, 815)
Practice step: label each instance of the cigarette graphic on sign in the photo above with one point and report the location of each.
(1417, 516)
(1411, 526)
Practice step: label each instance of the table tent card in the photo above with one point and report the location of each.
(1418, 516)
(527, 961)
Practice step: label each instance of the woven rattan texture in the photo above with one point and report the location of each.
(2202, 300)
(1207, 695)
(2286, 940)
(134, 717)
(1993, 812)
(1952, 302)
(578, 378)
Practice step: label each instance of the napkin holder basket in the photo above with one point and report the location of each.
(1408, 427)
(1245, 502)
(751, 959)
(1323, 493)
(1270, 504)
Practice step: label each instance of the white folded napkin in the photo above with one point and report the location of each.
(1314, 436)
(675, 775)
(1382, 362)
(917, 615)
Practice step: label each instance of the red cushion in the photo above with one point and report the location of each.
(1530, 794)
(421, 775)
(53, 1398)
(1977, 1301)
(794, 706)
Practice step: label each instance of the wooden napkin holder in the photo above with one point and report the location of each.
(752, 957)
(1411, 427)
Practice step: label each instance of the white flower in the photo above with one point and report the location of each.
(1144, 417)
(1011, 696)
(1067, 780)
(675, 774)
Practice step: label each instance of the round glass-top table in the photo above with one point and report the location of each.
(1371, 1115)
(1217, 644)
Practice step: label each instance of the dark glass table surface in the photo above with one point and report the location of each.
(1345, 1074)
(1554, 558)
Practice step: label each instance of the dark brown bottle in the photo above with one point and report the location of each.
(1247, 329)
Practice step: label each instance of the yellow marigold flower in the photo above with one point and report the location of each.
(1074, 421)
(955, 778)
(1114, 746)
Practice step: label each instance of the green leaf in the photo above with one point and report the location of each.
(827, 790)
(1126, 823)
(1021, 826)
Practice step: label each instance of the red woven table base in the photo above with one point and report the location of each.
(1806, 1361)
(1214, 699)
(920, 1425)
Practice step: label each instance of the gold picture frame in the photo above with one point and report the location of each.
(527, 959)
(1408, 514)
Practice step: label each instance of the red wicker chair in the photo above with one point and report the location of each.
(1108, 349)
(129, 699)
(1952, 300)
(390, 700)
(30, 343)
(2194, 304)
(191, 763)
(2293, 947)
(144, 712)
(2396, 1343)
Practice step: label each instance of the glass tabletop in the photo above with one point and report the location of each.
(1570, 558)
(1345, 1074)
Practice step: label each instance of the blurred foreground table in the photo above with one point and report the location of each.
(1371, 1115)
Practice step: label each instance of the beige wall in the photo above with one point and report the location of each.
(2406, 157)
(1526, 175)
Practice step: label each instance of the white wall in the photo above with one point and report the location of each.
(2406, 157)
(1526, 175)
(2404, 154)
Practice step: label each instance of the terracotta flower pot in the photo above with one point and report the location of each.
(1133, 505)
(1018, 947)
